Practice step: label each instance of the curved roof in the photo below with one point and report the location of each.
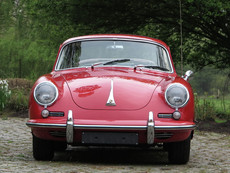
(124, 36)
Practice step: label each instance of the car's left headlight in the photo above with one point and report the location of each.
(176, 95)
(45, 93)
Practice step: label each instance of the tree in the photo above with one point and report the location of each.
(206, 29)
(31, 31)
(5, 17)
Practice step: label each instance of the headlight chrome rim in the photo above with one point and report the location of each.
(180, 85)
(56, 91)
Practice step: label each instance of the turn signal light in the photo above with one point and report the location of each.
(45, 113)
(176, 115)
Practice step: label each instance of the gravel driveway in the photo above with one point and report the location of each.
(210, 152)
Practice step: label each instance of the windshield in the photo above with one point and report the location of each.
(113, 53)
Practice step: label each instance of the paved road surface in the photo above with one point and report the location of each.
(210, 152)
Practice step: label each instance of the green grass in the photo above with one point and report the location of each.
(217, 120)
(222, 106)
(209, 107)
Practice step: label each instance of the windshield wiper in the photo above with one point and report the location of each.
(115, 61)
(152, 67)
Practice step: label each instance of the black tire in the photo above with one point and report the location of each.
(42, 149)
(178, 152)
(60, 146)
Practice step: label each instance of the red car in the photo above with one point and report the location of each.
(112, 90)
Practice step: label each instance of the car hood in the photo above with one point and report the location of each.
(113, 89)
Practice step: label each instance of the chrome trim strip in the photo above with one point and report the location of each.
(43, 125)
(150, 129)
(111, 101)
(185, 127)
(110, 127)
(69, 128)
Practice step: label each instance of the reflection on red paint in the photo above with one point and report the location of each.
(85, 91)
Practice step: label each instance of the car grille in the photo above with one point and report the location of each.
(58, 133)
(56, 114)
(165, 116)
(163, 135)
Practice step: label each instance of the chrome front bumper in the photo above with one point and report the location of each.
(70, 126)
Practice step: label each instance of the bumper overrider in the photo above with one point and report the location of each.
(150, 127)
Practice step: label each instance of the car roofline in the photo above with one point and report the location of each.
(116, 36)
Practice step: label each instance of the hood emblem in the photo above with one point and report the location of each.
(111, 101)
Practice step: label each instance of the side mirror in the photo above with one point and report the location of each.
(187, 74)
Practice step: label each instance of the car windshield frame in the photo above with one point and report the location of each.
(100, 61)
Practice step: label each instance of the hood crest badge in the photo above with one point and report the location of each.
(111, 101)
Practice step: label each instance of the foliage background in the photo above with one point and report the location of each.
(31, 32)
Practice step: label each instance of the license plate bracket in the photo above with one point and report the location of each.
(110, 138)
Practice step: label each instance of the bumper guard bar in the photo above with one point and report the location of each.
(150, 129)
(69, 128)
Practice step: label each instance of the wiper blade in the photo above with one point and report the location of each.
(115, 61)
(152, 67)
(157, 67)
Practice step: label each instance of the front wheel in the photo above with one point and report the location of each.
(178, 152)
(60, 146)
(42, 149)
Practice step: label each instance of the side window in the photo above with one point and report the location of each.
(163, 60)
(70, 56)
(166, 63)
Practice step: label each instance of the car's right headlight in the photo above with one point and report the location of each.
(176, 95)
(45, 93)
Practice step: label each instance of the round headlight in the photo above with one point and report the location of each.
(176, 95)
(45, 93)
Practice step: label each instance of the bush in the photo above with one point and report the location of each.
(209, 107)
(18, 100)
(4, 93)
(14, 94)
(204, 108)
(20, 90)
